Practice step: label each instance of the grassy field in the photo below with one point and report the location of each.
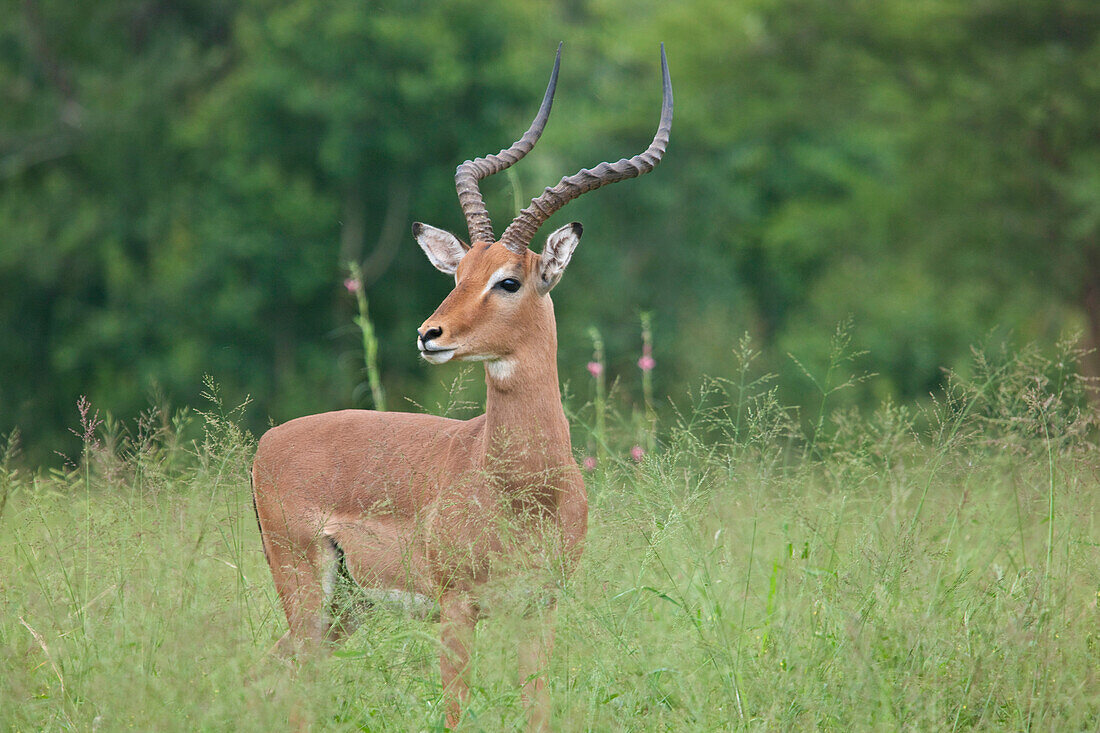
(921, 569)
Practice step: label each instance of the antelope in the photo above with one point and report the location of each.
(418, 504)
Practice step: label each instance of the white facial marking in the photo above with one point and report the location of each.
(500, 369)
(496, 277)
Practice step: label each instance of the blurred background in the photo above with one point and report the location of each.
(182, 185)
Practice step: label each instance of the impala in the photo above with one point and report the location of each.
(418, 504)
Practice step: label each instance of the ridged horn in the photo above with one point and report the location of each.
(469, 173)
(519, 233)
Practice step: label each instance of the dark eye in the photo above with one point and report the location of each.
(508, 285)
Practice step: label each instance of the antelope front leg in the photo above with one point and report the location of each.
(458, 617)
(534, 661)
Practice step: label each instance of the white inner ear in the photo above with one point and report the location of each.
(556, 255)
(443, 248)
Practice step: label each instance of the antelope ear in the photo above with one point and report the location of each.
(443, 248)
(555, 256)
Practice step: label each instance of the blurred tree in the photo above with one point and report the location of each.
(87, 180)
(1004, 193)
(926, 168)
(180, 184)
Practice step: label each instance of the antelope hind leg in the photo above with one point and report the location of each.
(305, 579)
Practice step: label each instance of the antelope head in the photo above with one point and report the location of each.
(501, 295)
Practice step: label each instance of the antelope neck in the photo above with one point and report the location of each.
(523, 401)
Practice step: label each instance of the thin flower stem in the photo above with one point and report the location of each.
(596, 368)
(646, 364)
(370, 341)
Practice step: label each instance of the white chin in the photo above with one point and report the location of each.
(438, 357)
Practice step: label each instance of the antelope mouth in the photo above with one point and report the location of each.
(437, 356)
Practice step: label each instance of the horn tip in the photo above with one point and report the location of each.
(666, 83)
(417, 228)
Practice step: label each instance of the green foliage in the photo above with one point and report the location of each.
(181, 185)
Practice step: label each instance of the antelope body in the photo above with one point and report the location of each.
(439, 507)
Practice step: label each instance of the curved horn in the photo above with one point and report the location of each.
(520, 232)
(469, 173)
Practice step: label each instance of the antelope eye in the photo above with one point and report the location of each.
(509, 285)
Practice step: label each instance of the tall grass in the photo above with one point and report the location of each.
(924, 568)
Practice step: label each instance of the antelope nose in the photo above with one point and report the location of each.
(428, 334)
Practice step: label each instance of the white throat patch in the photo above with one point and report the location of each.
(500, 369)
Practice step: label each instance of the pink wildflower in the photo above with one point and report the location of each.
(589, 463)
(595, 368)
(352, 284)
(636, 453)
(646, 363)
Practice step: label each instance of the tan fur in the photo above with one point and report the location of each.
(432, 505)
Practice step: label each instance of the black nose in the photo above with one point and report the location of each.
(432, 333)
